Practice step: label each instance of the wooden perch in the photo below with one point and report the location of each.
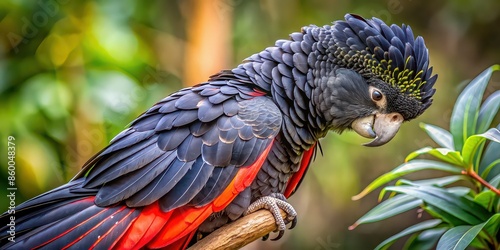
(239, 233)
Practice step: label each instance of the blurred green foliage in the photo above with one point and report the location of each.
(74, 73)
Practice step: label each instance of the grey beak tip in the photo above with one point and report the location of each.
(373, 143)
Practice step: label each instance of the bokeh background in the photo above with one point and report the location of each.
(74, 73)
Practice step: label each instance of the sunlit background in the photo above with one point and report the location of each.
(73, 74)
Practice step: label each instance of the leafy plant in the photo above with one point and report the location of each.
(467, 213)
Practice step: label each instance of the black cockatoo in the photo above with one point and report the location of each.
(206, 155)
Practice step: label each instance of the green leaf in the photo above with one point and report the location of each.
(488, 111)
(439, 135)
(444, 154)
(438, 182)
(486, 172)
(410, 230)
(458, 238)
(490, 155)
(441, 214)
(466, 111)
(459, 191)
(427, 239)
(461, 236)
(473, 143)
(406, 168)
(388, 208)
(462, 208)
(486, 199)
(492, 225)
(495, 181)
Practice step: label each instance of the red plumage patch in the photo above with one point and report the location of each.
(144, 228)
(181, 243)
(296, 178)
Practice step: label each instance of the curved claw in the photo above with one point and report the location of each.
(274, 203)
(280, 234)
(265, 237)
(294, 223)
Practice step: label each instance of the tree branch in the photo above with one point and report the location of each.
(239, 233)
(475, 176)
